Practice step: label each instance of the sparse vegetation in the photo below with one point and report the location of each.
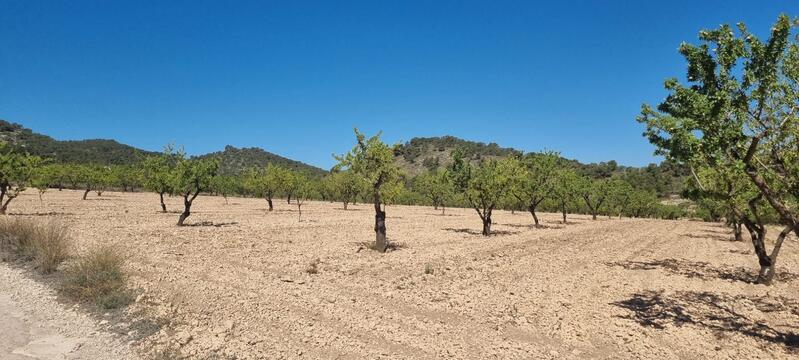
(98, 277)
(47, 244)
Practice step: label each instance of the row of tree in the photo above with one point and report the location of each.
(531, 182)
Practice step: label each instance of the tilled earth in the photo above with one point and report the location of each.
(242, 282)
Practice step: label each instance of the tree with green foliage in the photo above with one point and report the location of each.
(304, 190)
(594, 193)
(564, 189)
(266, 182)
(126, 177)
(157, 173)
(89, 177)
(535, 180)
(642, 203)
(224, 185)
(345, 186)
(484, 185)
(739, 111)
(435, 186)
(189, 178)
(373, 161)
(619, 197)
(16, 171)
(43, 176)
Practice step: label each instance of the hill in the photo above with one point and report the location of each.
(234, 161)
(429, 153)
(111, 152)
(93, 151)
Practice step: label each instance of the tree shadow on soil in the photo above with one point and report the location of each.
(476, 232)
(531, 226)
(568, 222)
(715, 312)
(51, 213)
(711, 235)
(392, 246)
(701, 270)
(211, 223)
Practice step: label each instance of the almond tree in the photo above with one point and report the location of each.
(189, 178)
(16, 171)
(535, 180)
(739, 111)
(345, 186)
(564, 189)
(594, 193)
(266, 182)
(435, 186)
(157, 172)
(373, 161)
(483, 185)
(304, 190)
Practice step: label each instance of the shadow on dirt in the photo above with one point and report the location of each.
(711, 235)
(701, 270)
(52, 213)
(211, 223)
(716, 312)
(476, 232)
(530, 226)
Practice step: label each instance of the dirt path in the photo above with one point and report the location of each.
(33, 325)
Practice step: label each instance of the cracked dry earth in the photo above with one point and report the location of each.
(240, 284)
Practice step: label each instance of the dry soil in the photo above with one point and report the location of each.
(241, 282)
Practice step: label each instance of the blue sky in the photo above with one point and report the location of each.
(294, 77)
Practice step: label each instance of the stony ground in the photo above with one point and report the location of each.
(242, 284)
(34, 325)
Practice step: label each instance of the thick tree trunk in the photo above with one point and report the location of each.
(487, 223)
(163, 205)
(435, 206)
(269, 201)
(381, 243)
(345, 205)
(593, 215)
(86, 193)
(768, 264)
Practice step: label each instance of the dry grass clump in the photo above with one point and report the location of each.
(98, 277)
(45, 243)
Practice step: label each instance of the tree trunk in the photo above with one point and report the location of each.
(269, 201)
(435, 206)
(443, 208)
(535, 217)
(593, 215)
(186, 210)
(768, 263)
(381, 243)
(487, 223)
(86, 193)
(163, 205)
(288, 199)
(563, 208)
(736, 230)
(345, 205)
(299, 211)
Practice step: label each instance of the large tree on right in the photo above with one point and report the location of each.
(738, 111)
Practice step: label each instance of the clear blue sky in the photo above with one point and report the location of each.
(294, 77)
